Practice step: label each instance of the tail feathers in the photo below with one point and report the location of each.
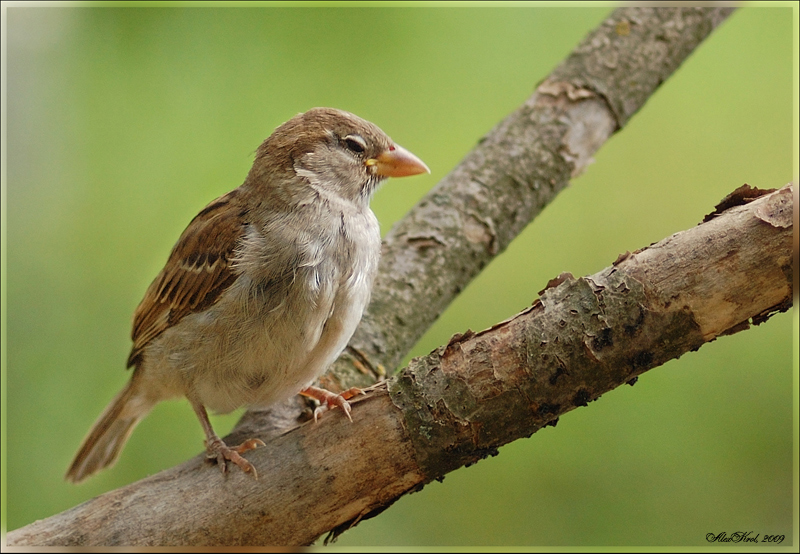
(103, 444)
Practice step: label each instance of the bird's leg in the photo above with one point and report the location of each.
(329, 400)
(221, 452)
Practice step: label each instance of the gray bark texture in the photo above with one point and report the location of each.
(581, 338)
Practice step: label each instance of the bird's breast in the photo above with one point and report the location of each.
(297, 321)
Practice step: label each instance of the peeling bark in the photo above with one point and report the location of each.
(586, 336)
(580, 339)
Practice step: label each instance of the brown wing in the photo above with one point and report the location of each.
(197, 272)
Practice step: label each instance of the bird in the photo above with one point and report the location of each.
(264, 288)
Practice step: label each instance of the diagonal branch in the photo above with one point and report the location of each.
(518, 168)
(580, 339)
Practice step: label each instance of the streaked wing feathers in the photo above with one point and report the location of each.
(197, 272)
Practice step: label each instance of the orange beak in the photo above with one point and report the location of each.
(397, 162)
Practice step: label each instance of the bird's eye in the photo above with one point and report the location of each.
(355, 144)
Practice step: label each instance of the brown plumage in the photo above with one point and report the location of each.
(197, 272)
(263, 289)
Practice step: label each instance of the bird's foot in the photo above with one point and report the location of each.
(329, 400)
(222, 453)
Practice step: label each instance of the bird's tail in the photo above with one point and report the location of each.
(110, 432)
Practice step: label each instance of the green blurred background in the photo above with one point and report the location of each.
(123, 123)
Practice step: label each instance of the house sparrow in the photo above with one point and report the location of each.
(264, 288)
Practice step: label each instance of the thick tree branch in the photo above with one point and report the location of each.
(580, 339)
(584, 337)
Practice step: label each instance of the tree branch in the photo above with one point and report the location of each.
(580, 339)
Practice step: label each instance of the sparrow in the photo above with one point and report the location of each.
(264, 288)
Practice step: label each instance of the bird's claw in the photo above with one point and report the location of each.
(223, 453)
(329, 400)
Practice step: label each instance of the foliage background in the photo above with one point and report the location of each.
(122, 123)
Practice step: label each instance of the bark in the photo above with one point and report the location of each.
(580, 339)
(584, 337)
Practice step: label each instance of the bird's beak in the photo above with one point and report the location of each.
(397, 162)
